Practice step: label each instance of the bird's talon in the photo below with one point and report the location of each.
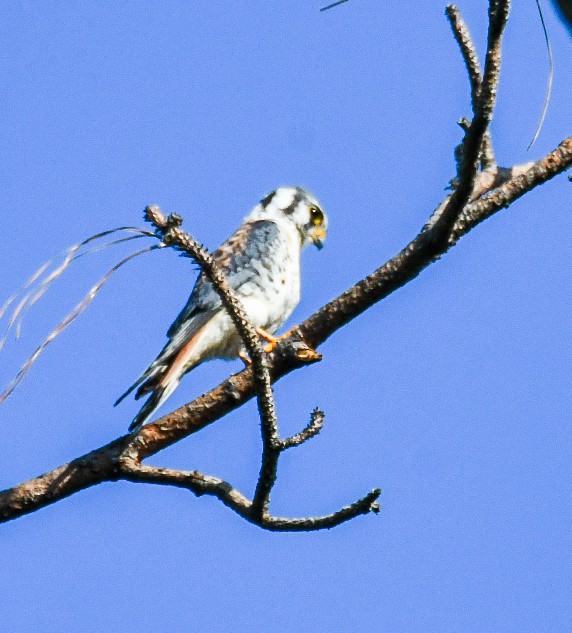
(266, 335)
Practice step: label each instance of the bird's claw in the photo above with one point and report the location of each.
(302, 351)
(271, 340)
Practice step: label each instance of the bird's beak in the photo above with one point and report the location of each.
(318, 238)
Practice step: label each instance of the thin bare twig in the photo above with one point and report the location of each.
(200, 484)
(468, 50)
(473, 65)
(472, 145)
(550, 77)
(331, 6)
(311, 430)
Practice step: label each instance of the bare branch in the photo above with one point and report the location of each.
(503, 196)
(478, 196)
(363, 506)
(201, 484)
(266, 480)
(471, 150)
(468, 50)
(88, 470)
(196, 482)
(312, 429)
(172, 235)
(334, 4)
(473, 65)
(102, 464)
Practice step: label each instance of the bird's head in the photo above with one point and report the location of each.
(298, 206)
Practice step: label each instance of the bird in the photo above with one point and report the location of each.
(261, 262)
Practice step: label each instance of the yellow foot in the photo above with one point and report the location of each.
(304, 353)
(272, 340)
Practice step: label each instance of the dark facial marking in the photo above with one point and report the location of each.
(266, 201)
(292, 206)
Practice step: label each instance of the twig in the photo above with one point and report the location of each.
(473, 65)
(521, 183)
(331, 6)
(471, 151)
(313, 428)
(365, 505)
(201, 484)
(195, 481)
(468, 50)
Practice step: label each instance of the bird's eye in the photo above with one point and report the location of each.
(316, 216)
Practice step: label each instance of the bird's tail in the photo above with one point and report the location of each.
(155, 400)
(163, 377)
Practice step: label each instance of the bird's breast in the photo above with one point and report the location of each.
(273, 292)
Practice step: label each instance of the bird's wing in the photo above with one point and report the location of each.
(239, 259)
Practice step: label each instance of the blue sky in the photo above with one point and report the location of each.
(453, 395)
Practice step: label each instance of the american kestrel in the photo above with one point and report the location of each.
(261, 262)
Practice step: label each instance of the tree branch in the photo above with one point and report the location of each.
(468, 50)
(468, 170)
(311, 430)
(102, 464)
(473, 65)
(200, 484)
(523, 181)
(476, 198)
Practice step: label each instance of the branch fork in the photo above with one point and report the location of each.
(481, 188)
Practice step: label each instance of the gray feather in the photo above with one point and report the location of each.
(253, 242)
